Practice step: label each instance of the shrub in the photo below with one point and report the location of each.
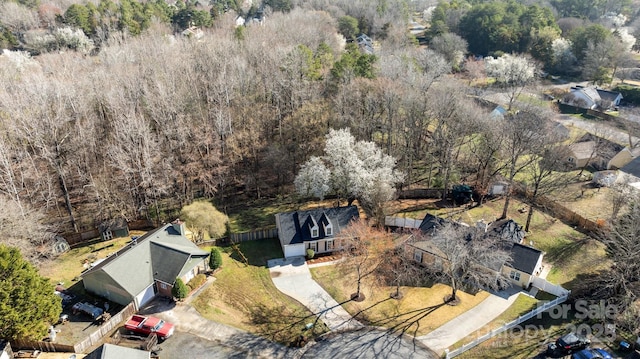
(310, 253)
(197, 281)
(215, 259)
(179, 289)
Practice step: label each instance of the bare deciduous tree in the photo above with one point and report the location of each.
(362, 248)
(460, 256)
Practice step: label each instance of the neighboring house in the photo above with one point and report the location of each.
(526, 261)
(314, 229)
(592, 151)
(110, 351)
(193, 32)
(630, 173)
(592, 98)
(623, 157)
(115, 228)
(148, 266)
(365, 43)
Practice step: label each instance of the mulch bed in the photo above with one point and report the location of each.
(323, 259)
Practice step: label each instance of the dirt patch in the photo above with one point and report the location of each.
(275, 274)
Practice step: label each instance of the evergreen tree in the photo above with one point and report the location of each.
(28, 304)
(179, 289)
(215, 259)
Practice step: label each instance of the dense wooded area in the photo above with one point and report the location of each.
(109, 111)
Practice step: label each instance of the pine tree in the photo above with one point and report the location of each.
(215, 259)
(179, 289)
(28, 305)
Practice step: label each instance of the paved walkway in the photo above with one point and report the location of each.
(292, 277)
(470, 321)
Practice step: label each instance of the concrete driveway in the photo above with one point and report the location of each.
(292, 277)
(188, 320)
(470, 321)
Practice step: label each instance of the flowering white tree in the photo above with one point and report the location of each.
(563, 56)
(512, 72)
(351, 170)
(313, 179)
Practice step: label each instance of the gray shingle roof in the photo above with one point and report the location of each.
(110, 351)
(632, 168)
(293, 227)
(160, 254)
(524, 258)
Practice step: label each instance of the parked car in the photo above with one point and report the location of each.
(567, 344)
(596, 353)
(147, 325)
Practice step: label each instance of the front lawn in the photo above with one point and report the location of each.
(422, 306)
(244, 296)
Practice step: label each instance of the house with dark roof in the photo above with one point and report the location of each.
(592, 151)
(526, 261)
(630, 174)
(314, 229)
(592, 98)
(146, 267)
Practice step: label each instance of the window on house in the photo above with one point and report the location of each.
(329, 245)
(108, 235)
(417, 256)
(314, 232)
(571, 159)
(514, 275)
(329, 231)
(163, 286)
(313, 246)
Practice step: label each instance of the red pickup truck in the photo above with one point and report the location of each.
(147, 325)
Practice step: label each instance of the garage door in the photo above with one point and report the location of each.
(145, 296)
(294, 250)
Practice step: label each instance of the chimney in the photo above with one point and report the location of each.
(178, 226)
(482, 225)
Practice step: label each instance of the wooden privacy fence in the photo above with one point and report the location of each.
(41, 346)
(265, 233)
(543, 308)
(402, 222)
(258, 234)
(96, 337)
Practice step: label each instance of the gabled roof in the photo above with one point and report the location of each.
(161, 254)
(585, 146)
(583, 150)
(609, 95)
(524, 258)
(632, 168)
(293, 227)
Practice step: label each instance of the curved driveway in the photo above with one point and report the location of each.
(292, 277)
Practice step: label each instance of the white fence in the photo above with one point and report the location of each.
(402, 222)
(551, 288)
(546, 306)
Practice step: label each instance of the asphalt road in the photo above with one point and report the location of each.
(185, 345)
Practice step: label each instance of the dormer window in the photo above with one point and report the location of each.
(326, 225)
(314, 229)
